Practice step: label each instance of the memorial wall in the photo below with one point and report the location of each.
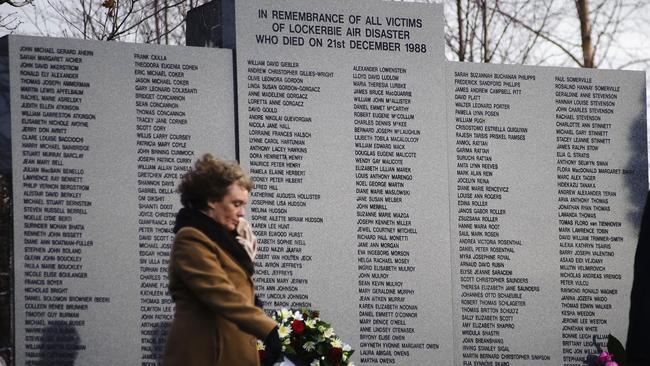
(548, 169)
(345, 137)
(434, 212)
(100, 134)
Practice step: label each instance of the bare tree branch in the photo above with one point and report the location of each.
(115, 19)
(9, 22)
(582, 7)
(461, 40)
(16, 4)
(540, 33)
(635, 62)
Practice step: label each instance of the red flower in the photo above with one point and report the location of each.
(262, 354)
(335, 354)
(298, 326)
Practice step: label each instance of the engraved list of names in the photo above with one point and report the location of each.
(543, 223)
(337, 127)
(101, 133)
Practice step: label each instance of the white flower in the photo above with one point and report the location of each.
(283, 331)
(310, 323)
(335, 342)
(309, 346)
(328, 332)
(261, 346)
(346, 347)
(284, 314)
(314, 363)
(350, 363)
(297, 315)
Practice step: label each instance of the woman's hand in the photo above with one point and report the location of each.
(273, 347)
(246, 238)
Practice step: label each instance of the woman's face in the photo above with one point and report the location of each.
(228, 211)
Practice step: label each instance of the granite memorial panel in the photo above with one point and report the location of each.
(548, 171)
(341, 120)
(100, 134)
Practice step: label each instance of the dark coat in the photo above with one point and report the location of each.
(215, 321)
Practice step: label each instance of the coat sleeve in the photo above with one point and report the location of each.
(200, 270)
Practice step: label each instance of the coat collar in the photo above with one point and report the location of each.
(188, 217)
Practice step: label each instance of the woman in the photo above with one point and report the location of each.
(215, 322)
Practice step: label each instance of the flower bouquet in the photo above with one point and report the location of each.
(606, 358)
(308, 340)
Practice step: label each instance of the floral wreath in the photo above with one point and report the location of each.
(307, 339)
